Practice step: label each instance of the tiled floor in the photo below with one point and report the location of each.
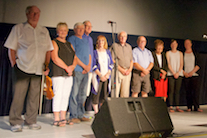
(185, 126)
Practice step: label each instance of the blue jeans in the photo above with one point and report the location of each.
(78, 95)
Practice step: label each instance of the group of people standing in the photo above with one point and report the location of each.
(78, 71)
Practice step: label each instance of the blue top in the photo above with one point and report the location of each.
(81, 48)
(90, 41)
(142, 57)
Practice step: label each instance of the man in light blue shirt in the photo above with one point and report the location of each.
(143, 63)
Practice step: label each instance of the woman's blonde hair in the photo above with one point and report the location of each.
(61, 24)
(105, 41)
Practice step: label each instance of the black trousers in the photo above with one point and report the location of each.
(174, 90)
(24, 85)
(192, 93)
(102, 93)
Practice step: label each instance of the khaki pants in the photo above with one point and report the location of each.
(25, 84)
(122, 84)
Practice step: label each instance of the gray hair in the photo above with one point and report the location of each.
(29, 8)
(86, 21)
(121, 32)
(78, 24)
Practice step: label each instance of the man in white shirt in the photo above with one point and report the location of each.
(29, 47)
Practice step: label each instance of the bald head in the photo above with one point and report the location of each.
(122, 36)
(141, 42)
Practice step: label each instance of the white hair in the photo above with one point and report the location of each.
(86, 21)
(78, 24)
(121, 32)
(29, 8)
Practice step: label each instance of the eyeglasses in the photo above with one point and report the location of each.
(88, 26)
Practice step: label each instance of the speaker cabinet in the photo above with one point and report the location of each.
(132, 118)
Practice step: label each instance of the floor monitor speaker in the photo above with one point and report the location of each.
(132, 118)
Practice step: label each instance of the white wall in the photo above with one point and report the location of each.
(138, 17)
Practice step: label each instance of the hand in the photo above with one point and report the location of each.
(128, 72)
(145, 71)
(87, 68)
(163, 72)
(176, 75)
(190, 74)
(84, 72)
(186, 75)
(46, 72)
(69, 70)
(103, 78)
(142, 74)
(163, 76)
(12, 64)
(123, 71)
(107, 75)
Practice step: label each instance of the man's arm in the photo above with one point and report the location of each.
(130, 68)
(85, 67)
(139, 67)
(12, 57)
(150, 66)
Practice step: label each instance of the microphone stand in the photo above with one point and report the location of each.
(115, 64)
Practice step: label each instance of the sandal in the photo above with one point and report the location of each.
(62, 123)
(179, 110)
(171, 110)
(199, 110)
(56, 123)
(188, 110)
(69, 122)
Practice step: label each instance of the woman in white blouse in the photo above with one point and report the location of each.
(175, 74)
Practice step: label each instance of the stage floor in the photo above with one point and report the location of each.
(186, 125)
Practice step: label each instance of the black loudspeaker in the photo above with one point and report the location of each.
(132, 118)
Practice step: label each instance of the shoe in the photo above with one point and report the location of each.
(75, 120)
(85, 119)
(33, 126)
(16, 128)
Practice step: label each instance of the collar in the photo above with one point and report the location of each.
(121, 45)
(86, 35)
(26, 24)
(141, 49)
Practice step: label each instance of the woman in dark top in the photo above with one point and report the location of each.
(160, 70)
(64, 62)
(191, 66)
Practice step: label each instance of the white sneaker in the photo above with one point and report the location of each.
(32, 126)
(16, 128)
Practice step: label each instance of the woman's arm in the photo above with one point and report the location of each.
(55, 58)
(181, 62)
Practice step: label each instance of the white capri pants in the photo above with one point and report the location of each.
(89, 83)
(62, 88)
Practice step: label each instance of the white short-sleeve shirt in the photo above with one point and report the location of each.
(31, 45)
